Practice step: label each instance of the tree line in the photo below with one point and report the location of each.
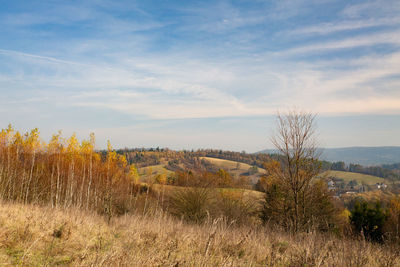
(143, 157)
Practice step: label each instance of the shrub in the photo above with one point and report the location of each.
(191, 204)
(317, 208)
(235, 207)
(369, 220)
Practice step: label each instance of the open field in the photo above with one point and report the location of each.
(349, 176)
(41, 236)
(231, 165)
(154, 170)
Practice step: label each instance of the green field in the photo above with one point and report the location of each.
(349, 176)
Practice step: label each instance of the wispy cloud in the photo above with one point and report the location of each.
(338, 26)
(372, 8)
(191, 60)
(173, 92)
(386, 38)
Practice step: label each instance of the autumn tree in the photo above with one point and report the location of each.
(289, 185)
(64, 172)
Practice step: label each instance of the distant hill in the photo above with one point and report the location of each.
(363, 155)
(360, 155)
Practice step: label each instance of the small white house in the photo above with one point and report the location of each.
(331, 185)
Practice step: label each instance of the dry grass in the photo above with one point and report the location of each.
(230, 165)
(153, 170)
(41, 236)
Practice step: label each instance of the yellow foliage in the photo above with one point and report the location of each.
(122, 161)
(86, 147)
(32, 141)
(63, 172)
(73, 144)
(111, 154)
(345, 215)
(18, 139)
(133, 173)
(161, 178)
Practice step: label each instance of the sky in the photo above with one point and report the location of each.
(201, 74)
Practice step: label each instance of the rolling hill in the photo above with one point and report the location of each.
(242, 169)
(233, 167)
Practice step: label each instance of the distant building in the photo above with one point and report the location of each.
(381, 185)
(331, 185)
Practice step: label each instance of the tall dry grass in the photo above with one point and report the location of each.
(43, 236)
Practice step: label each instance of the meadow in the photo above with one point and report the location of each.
(33, 235)
(359, 177)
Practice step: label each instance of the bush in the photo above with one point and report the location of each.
(235, 207)
(317, 208)
(191, 204)
(369, 220)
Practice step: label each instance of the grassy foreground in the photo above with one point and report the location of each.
(41, 236)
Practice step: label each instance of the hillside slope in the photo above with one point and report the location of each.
(233, 167)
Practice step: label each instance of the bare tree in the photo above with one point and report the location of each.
(292, 175)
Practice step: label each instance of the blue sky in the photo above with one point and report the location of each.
(201, 74)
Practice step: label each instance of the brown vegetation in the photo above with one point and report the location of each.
(37, 236)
